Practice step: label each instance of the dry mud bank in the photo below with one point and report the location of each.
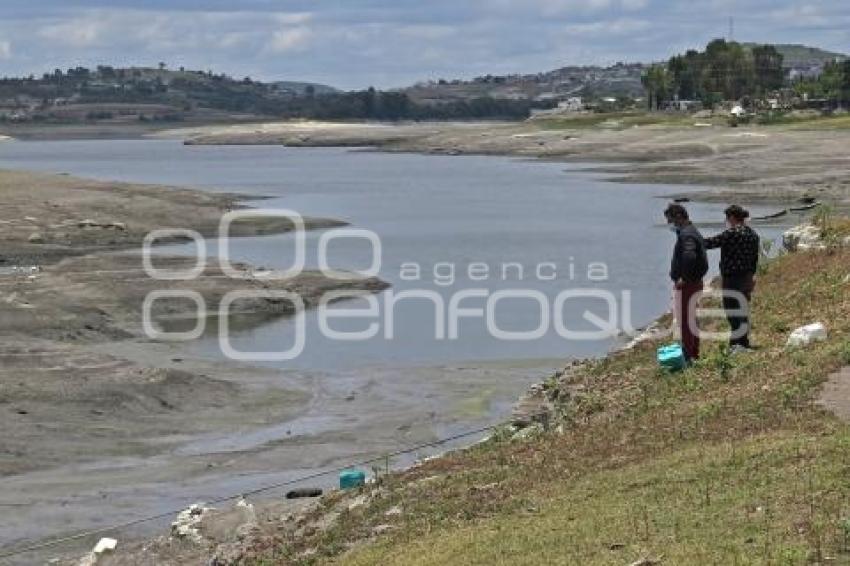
(65, 398)
(48, 217)
(88, 403)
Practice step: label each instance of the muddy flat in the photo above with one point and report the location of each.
(47, 217)
(88, 402)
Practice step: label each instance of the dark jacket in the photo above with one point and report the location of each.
(739, 250)
(690, 261)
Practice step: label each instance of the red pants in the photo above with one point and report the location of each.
(686, 307)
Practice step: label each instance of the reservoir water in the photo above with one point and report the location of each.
(515, 226)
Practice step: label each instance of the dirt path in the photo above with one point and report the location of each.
(835, 395)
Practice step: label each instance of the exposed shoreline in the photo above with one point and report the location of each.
(757, 164)
(66, 286)
(769, 164)
(81, 385)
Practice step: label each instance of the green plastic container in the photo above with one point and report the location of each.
(351, 478)
(672, 357)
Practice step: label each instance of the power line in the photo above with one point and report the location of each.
(85, 534)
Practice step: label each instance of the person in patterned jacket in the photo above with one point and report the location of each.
(739, 256)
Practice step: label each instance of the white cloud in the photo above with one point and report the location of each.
(289, 39)
(293, 18)
(173, 34)
(547, 8)
(602, 28)
(236, 39)
(427, 32)
(634, 5)
(390, 43)
(801, 14)
(76, 32)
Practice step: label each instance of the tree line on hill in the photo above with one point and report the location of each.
(187, 90)
(727, 70)
(372, 104)
(833, 84)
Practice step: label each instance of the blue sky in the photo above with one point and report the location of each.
(389, 43)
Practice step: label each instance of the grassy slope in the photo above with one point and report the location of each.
(619, 120)
(630, 119)
(796, 54)
(839, 122)
(729, 462)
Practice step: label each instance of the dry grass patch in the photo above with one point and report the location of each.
(615, 120)
(728, 462)
(770, 499)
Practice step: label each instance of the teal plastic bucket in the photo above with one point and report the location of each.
(671, 357)
(351, 478)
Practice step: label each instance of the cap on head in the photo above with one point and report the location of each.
(676, 212)
(737, 212)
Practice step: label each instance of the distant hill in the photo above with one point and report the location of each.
(622, 79)
(795, 55)
(155, 94)
(300, 88)
(112, 95)
(108, 93)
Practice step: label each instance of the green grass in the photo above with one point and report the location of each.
(625, 120)
(838, 122)
(729, 462)
(771, 499)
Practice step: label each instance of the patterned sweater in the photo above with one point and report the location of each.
(739, 250)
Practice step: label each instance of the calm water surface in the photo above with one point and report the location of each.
(435, 216)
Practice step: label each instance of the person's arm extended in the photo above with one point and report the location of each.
(716, 241)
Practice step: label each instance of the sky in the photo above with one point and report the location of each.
(354, 44)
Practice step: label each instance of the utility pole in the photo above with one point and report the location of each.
(731, 28)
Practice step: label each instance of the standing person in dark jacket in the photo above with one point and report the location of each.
(687, 268)
(739, 257)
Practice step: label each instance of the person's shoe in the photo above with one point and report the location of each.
(738, 349)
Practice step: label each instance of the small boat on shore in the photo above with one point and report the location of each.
(787, 211)
(805, 207)
(779, 214)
